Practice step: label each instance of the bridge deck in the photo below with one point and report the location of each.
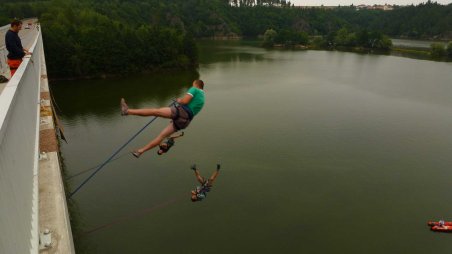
(32, 193)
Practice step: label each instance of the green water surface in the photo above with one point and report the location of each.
(322, 152)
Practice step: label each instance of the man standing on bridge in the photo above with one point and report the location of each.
(14, 46)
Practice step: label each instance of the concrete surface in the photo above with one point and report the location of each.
(53, 212)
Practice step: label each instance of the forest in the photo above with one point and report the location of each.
(85, 38)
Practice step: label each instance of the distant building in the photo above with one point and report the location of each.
(316, 7)
(362, 7)
(385, 7)
(388, 7)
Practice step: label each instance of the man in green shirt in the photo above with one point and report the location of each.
(181, 114)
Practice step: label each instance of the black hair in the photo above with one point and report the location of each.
(16, 22)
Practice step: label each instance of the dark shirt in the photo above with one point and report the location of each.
(14, 45)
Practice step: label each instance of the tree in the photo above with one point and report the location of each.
(449, 49)
(289, 38)
(341, 38)
(438, 50)
(269, 38)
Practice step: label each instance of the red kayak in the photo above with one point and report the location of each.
(447, 229)
(436, 223)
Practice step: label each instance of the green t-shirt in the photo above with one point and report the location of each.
(197, 102)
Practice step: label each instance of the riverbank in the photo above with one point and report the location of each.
(415, 43)
(125, 74)
(416, 52)
(405, 51)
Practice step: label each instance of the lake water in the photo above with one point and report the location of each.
(322, 152)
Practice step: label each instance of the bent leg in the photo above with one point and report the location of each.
(156, 141)
(160, 112)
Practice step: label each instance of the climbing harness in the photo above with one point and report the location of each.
(183, 116)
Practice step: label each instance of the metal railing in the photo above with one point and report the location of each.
(19, 154)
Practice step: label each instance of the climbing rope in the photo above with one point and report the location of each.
(113, 155)
(54, 101)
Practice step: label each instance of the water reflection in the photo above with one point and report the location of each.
(231, 51)
(309, 140)
(101, 97)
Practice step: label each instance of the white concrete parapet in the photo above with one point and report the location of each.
(19, 153)
(32, 197)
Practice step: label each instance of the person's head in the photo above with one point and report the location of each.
(16, 25)
(194, 197)
(198, 84)
(163, 149)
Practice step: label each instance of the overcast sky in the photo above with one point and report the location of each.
(368, 2)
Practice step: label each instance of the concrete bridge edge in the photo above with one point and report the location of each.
(53, 210)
